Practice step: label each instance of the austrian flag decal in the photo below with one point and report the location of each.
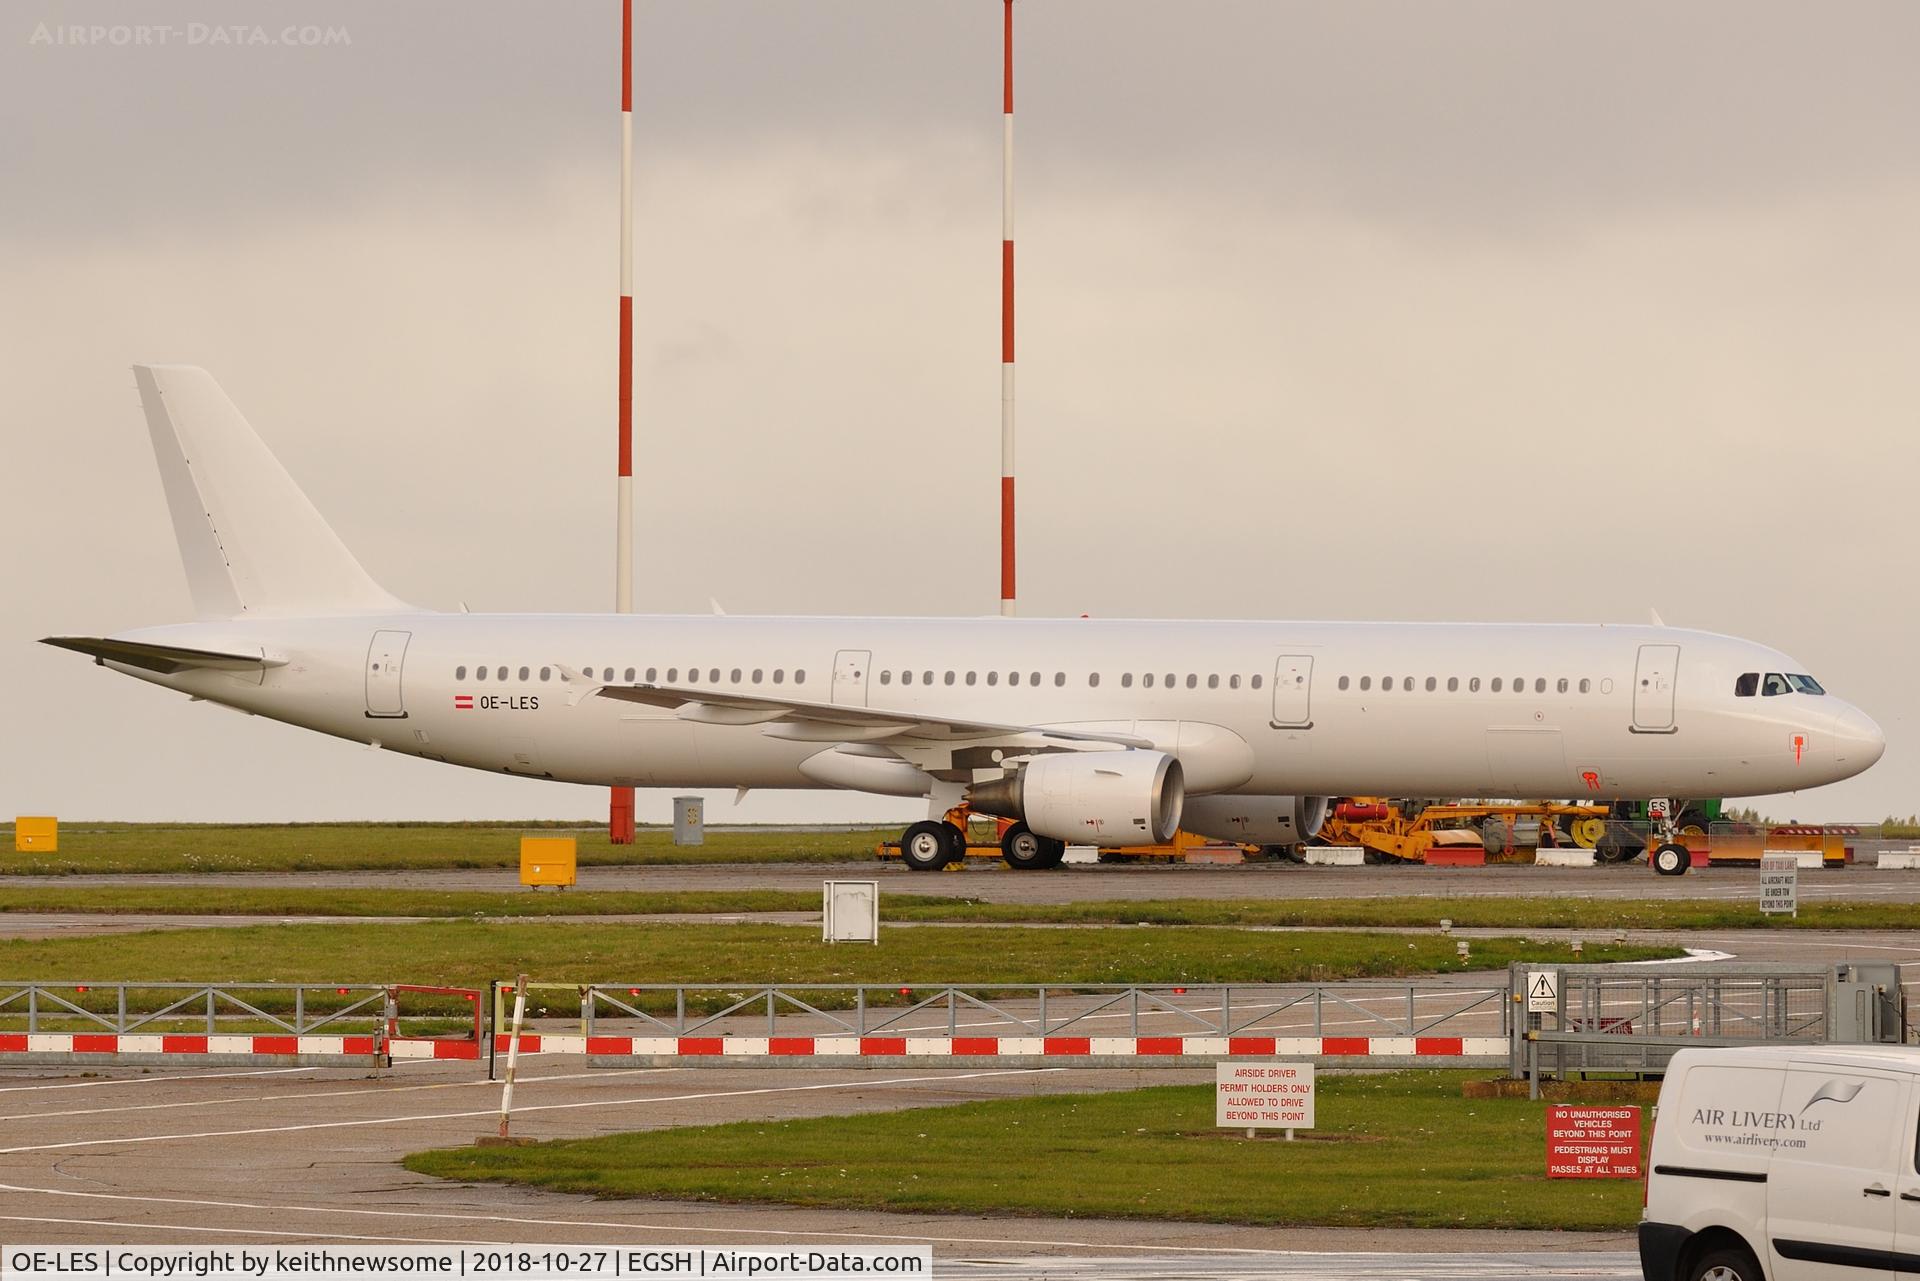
(464, 702)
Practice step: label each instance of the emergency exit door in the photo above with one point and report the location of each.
(1653, 682)
(850, 676)
(1293, 690)
(385, 658)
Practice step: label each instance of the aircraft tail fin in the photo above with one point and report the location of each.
(252, 543)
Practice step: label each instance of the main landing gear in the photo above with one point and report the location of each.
(932, 845)
(1026, 850)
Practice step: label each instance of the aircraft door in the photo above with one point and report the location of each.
(1653, 682)
(1293, 691)
(850, 676)
(384, 659)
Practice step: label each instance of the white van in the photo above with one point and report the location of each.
(1782, 1163)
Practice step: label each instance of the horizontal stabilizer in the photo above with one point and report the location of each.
(165, 659)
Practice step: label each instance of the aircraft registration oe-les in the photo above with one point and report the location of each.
(1104, 732)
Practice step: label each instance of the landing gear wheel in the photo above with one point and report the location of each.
(1693, 823)
(1725, 1265)
(928, 847)
(1672, 860)
(1026, 850)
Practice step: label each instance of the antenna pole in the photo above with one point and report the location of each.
(1006, 318)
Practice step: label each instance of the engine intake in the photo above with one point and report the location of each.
(1091, 798)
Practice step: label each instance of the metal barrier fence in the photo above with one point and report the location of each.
(1172, 1025)
(1633, 1018)
(138, 1023)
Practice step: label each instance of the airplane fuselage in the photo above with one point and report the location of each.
(1410, 709)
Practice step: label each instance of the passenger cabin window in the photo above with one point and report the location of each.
(1366, 682)
(993, 678)
(1495, 685)
(799, 676)
(1539, 684)
(779, 675)
(653, 674)
(757, 673)
(949, 678)
(1233, 682)
(1013, 678)
(673, 675)
(1431, 684)
(906, 678)
(970, 677)
(1059, 678)
(460, 673)
(629, 676)
(1093, 680)
(546, 673)
(1473, 685)
(1774, 683)
(1453, 684)
(736, 676)
(1585, 685)
(886, 678)
(1343, 682)
(1213, 681)
(1563, 685)
(1126, 680)
(1147, 680)
(523, 673)
(1386, 682)
(1193, 682)
(1256, 682)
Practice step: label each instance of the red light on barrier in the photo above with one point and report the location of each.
(633, 991)
(1179, 991)
(81, 988)
(906, 991)
(339, 991)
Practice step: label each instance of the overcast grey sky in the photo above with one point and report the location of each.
(1358, 310)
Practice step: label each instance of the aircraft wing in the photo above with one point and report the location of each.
(836, 722)
(165, 659)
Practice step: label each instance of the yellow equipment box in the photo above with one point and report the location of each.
(547, 860)
(36, 835)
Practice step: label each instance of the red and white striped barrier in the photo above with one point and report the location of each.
(174, 1043)
(924, 1047)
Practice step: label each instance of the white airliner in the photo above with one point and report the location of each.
(1096, 731)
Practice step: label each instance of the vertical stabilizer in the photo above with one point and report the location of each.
(252, 543)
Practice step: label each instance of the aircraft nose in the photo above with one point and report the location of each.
(1861, 741)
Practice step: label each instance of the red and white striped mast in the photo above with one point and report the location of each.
(620, 808)
(1006, 318)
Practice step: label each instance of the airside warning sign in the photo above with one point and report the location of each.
(1593, 1143)
(1264, 1095)
(1543, 991)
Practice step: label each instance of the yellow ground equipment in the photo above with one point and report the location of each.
(1419, 832)
(548, 861)
(36, 835)
(984, 843)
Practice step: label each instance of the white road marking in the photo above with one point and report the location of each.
(365, 1092)
(142, 1080)
(447, 1217)
(538, 1107)
(144, 1224)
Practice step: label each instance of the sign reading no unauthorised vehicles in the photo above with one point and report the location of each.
(1593, 1143)
(1264, 1095)
(1780, 883)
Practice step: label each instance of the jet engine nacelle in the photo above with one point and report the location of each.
(1091, 798)
(1256, 820)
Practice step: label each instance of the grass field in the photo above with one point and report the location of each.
(326, 847)
(1597, 915)
(467, 953)
(1399, 1149)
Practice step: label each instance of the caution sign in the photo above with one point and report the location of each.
(1268, 1095)
(1780, 883)
(1543, 991)
(1593, 1143)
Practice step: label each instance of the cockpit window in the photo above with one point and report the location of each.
(1775, 683)
(1747, 685)
(1803, 684)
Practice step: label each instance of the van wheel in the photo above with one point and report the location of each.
(1672, 860)
(1726, 1265)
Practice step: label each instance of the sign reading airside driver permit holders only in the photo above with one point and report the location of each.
(1263, 1096)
